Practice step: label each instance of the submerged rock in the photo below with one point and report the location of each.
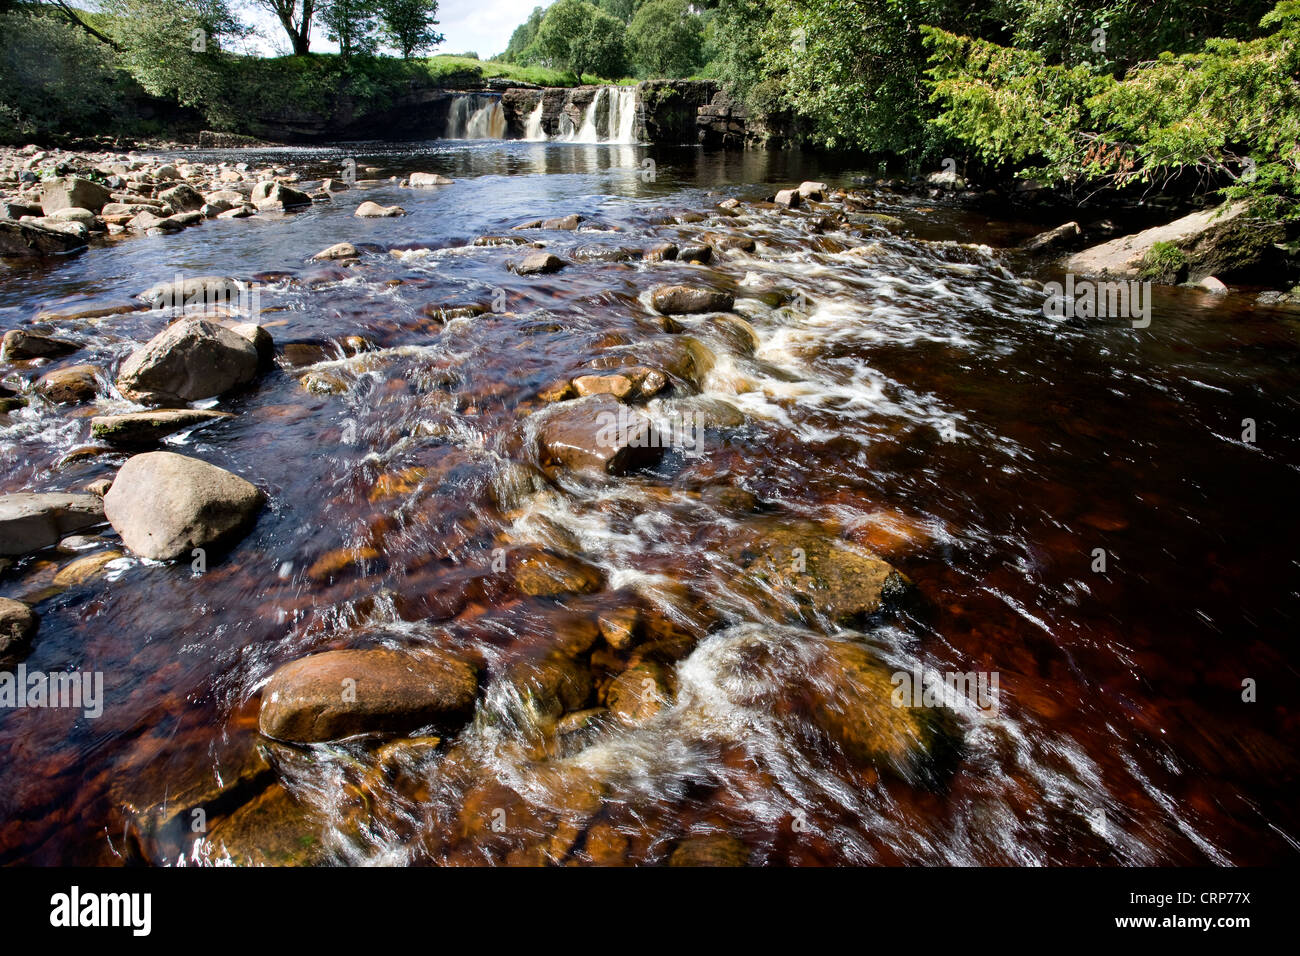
(717, 849)
(164, 505)
(798, 571)
(273, 829)
(597, 433)
(851, 699)
(192, 359)
(541, 574)
(339, 694)
(146, 428)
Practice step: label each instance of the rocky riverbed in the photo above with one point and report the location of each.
(529, 514)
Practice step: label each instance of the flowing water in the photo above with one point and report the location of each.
(476, 116)
(913, 400)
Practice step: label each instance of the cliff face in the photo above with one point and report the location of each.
(670, 109)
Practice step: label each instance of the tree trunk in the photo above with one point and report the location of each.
(75, 20)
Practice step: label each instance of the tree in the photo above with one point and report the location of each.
(409, 25)
(622, 9)
(1229, 113)
(173, 47)
(296, 17)
(352, 24)
(54, 78)
(666, 38)
(853, 67)
(576, 36)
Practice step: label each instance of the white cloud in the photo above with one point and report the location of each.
(483, 26)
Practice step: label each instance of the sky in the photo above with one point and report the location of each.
(478, 26)
(483, 26)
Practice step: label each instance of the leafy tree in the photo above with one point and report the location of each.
(666, 38)
(622, 9)
(409, 25)
(352, 24)
(1230, 113)
(172, 47)
(54, 77)
(576, 36)
(853, 67)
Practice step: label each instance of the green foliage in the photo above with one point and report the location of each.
(408, 25)
(1164, 262)
(666, 39)
(1230, 113)
(854, 67)
(1009, 105)
(352, 24)
(54, 78)
(576, 36)
(172, 47)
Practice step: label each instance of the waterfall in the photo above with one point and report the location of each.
(622, 114)
(533, 126)
(475, 116)
(587, 132)
(620, 119)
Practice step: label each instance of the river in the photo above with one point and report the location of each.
(914, 401)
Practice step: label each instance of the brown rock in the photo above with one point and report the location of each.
(681, 299)
(147, 428)
(339, 694)
(539, 263)
(70, 385)
(597, 433)
(189, 360)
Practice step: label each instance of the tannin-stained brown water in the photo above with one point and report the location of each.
(913, 400)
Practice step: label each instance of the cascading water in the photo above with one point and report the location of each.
(619, 121)
(476, 116)
(533, 131)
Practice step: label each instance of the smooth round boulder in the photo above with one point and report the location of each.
(164, 505)
(338, 694)
(683, 299)
(192, 359)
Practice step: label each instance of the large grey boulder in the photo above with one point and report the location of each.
(164, 505)
(192, 359)
(73, 191)
(1220, 241)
